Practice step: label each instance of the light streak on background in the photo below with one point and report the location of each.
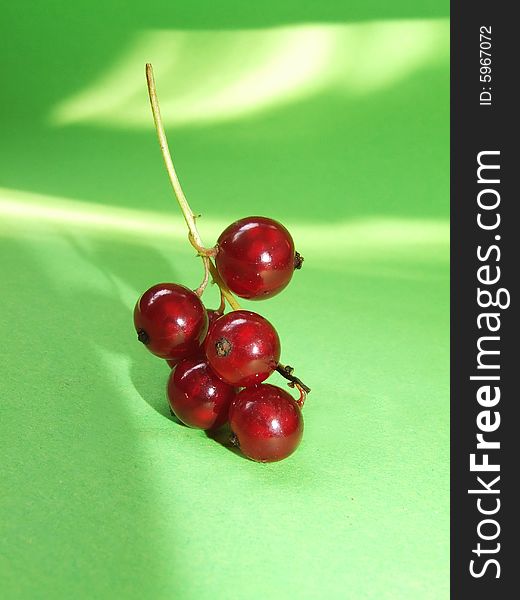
(359, 237)
(212, 76)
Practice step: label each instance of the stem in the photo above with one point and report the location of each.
(200, 290)
(195, 240)
(223, 287)
(303, 395)
(189, 216)
(222, 306)
(287, 372)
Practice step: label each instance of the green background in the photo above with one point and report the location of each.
(102, 494)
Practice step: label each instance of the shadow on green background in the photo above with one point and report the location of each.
(104, 495)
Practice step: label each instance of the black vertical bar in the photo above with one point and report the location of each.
(477, 127)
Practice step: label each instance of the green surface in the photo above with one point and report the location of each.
(333, 118)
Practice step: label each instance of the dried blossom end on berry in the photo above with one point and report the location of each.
(298, 260)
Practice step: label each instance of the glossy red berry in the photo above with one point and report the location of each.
(171, 321)
(242, 348)
(267, 423)
(197, 396)
(256, 257)
(213, 315)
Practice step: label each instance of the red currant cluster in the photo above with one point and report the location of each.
(220, 361)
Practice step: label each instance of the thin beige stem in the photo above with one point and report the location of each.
(205, 253)
(232, 301)
(222, 306)
(200, 290)
(193, 236)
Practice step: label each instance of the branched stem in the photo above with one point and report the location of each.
(223, 287)
(200, 290)
(287, 372)
(205, 253)
(222, 306)
(189, 216)
(303, 395)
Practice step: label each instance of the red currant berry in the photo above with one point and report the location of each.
(256, 257)
(267, 423)
(197, 396)
(213, 315)
(242, 348)
(170, 320)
